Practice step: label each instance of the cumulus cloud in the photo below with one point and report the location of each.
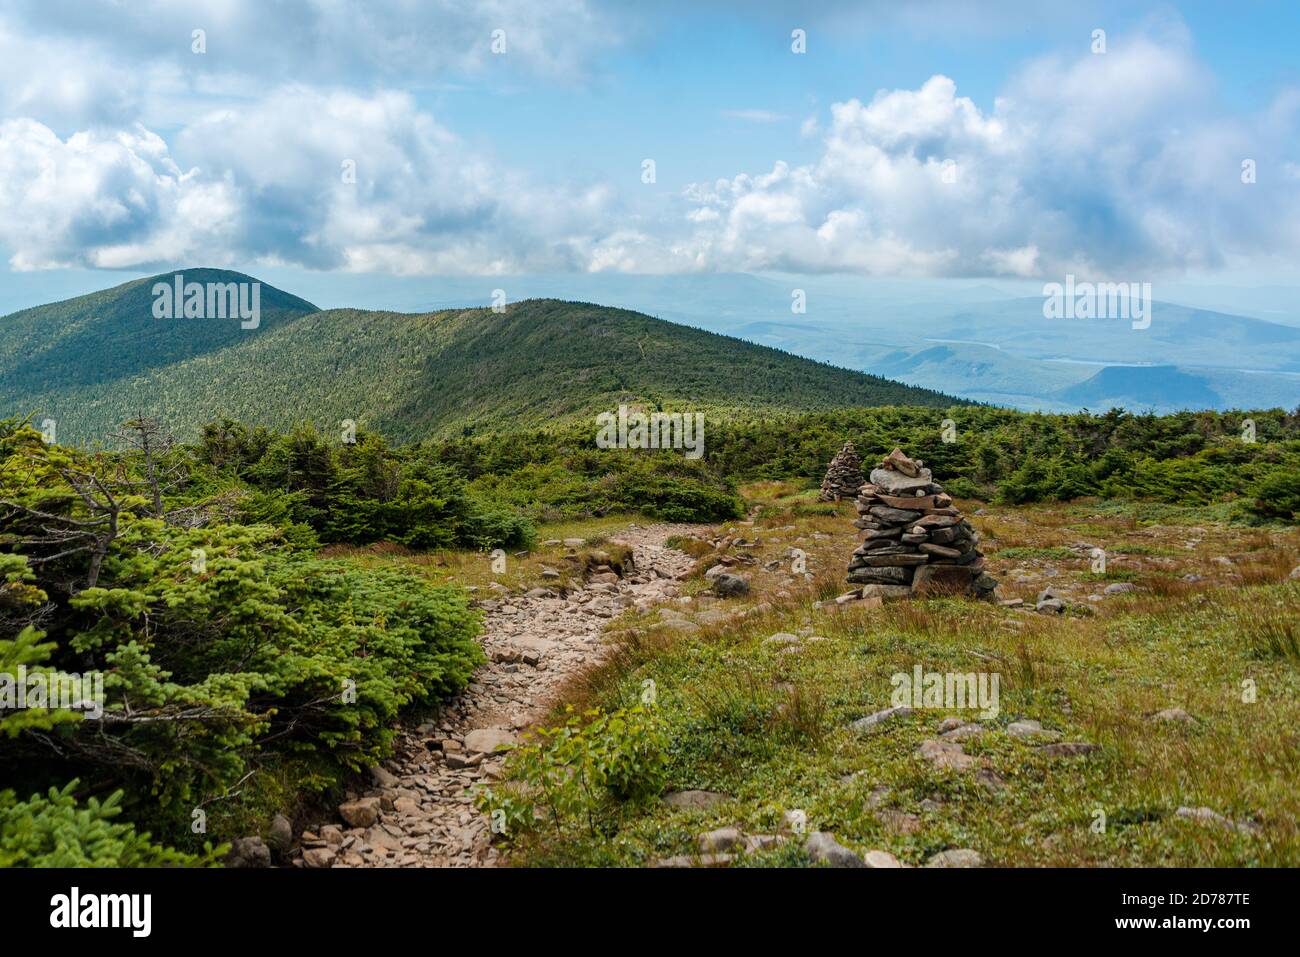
(1104, 163)
(104, 200)
(366, 183)
(1118, 164)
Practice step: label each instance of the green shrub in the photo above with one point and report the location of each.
(572, 772)
(1277, 496)
(226, 655)
(55, 831)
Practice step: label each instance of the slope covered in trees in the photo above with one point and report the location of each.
(91, 363)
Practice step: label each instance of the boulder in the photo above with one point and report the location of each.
(822, 848)
(960, 857)
(730, 586)
(487, 740)
(362, 812)
(248, 852)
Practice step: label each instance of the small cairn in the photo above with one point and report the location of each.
(843, 476)
(916, 542)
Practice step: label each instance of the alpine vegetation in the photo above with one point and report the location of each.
(951, 691)
(657, 430)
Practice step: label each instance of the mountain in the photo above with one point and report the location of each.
(91, 362)
(1139, 387)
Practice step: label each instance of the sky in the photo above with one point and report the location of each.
(938, 140)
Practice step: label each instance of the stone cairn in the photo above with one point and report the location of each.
(917, 543)
(843, 476)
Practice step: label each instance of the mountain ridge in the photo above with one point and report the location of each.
(92, 361)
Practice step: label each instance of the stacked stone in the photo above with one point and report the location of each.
(843, 476)
(916, 541)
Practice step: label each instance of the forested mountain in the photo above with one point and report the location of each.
(90, 363)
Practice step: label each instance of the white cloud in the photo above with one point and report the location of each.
(1105, 163)
(259, 184)
(103, 200)
(1113, 164)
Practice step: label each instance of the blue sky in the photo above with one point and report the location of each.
(933, 139)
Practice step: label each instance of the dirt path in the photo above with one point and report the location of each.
(420, 812)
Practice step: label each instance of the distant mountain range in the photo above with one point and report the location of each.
(989, 348)
(91, 362)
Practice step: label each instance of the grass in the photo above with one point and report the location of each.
(1210, 628)
(522, 570)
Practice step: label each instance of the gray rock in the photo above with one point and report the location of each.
(248, 852)
(886, 592)
(873, 720)
(945, 755)
(762, 842)
(691, 799)
(730, 586)
(487, 740)
(896, 483)
(723, 839)
(280, 836)
(1026, 729)
(1119, 588)
(459, 759)
(1067, 749)
(704, 860)
(822, 848)
(880, 576)
(964, 733)
(1205, 815)
(1049, 606)
(880, 859)
(782, 638)
(893, 516)
(960, 857)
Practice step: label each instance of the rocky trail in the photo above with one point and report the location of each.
(420, 811)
